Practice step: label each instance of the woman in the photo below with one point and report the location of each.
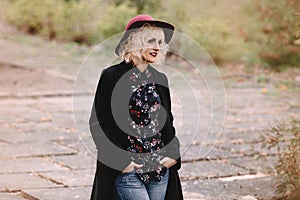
(131, 120)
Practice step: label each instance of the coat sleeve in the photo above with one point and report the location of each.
(105, 134)
(172, 146)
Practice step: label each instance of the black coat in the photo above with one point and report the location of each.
(110, 136)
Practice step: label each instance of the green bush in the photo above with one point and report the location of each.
(32, 16)
(280, 33)
(248, 32)
(213, 26)
(213, 35)
(285, 137)
(77, 21)
(88, 21)
(63, 20)
(116, 19)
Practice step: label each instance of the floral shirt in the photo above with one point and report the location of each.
(144, 107)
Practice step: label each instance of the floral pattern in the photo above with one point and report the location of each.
(144, 107)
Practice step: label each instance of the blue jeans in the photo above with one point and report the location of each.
(128, 186)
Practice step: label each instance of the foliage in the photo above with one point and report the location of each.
(214, 32)
(146, 6)
(63, 20)
(22, 14)
(88, 21)
(116, 19)
(213, 35)
(76, 21)
(248, 32)
(279, 32)
(141, 6)
(285, 137)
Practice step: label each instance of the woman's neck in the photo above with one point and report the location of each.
(142, 67)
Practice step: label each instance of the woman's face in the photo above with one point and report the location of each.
(153, 41)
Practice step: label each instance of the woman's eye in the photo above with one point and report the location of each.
(159, 42)
(151, 40)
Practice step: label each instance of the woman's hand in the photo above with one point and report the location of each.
(131, 167)
(168, 162)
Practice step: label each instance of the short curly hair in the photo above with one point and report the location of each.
(131, 49)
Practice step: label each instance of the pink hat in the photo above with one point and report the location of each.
(138, 21)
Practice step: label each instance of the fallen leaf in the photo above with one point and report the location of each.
(264, 90)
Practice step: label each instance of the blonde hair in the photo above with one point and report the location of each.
(131, 49)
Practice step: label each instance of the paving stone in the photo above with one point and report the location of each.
(10, 196)
(63, 120)
(263, 164)
(6, 128)
(33, 82)
(208, 169)
(240, 135)
(189, 136)
(55, 110)
(55, 105)
(23, 181)
(72, 178)
(36, 149)
(78, 161)
(38, 117)
(248, 149)
(83, 103)
(251, 116)
(253, 126)
(251, 91)
(78, 144)
(188, 139)
(192, 196)
(10, 113)
(237, 95)
(28, 165)
(16, 137)
(83, 124)
(61, 193)
(205, 152)
(214, 189)
(31, 127)
(2, 143)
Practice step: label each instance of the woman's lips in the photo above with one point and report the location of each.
(154, 54)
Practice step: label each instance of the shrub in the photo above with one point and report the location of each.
(288, 157)
(116, 19)
(213, 27)
(63, 20)
(77, 21)
(279, 26)
(213, 35)
(32, 16)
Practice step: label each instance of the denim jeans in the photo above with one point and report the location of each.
(128, 186)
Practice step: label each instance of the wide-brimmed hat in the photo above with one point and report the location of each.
(138, 21)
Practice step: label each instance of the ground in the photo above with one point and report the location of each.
(43, 156)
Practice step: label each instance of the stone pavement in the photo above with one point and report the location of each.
(42, 156)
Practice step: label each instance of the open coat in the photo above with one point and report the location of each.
(110, 136)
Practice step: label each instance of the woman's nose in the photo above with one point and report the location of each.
(156, 45)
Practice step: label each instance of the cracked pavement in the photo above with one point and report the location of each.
(43, 157)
